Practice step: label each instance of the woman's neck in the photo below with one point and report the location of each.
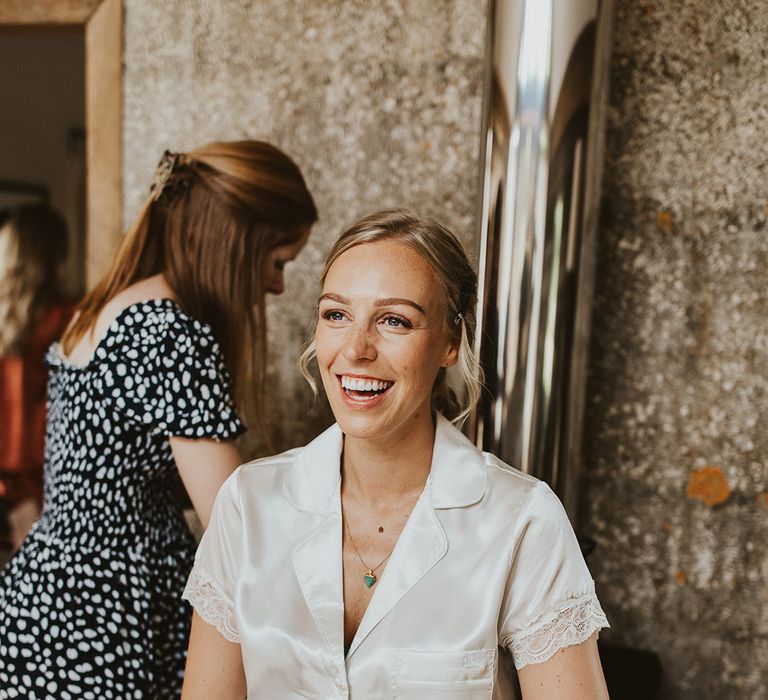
(381, 473)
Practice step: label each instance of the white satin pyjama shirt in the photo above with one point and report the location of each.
(486, 571)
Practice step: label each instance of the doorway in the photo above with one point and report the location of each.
(60, 145)
(98, 23)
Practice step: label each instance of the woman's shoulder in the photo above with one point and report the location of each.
(461, 461)
(153, 290)
(526, 504)
(135, 319)
(148, 330)
(150, 305)
(507, 496)
(266, 468)
(528, 489)
(506, 476)
(257, 483)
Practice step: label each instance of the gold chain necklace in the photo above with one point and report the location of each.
(369, 579)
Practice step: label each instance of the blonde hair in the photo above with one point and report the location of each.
(442, 250)
(210, 221)
(33, 244)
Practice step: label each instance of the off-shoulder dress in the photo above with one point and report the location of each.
(90, 606)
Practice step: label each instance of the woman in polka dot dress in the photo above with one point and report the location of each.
(140, 386)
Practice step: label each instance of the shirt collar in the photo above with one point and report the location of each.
(457, 477)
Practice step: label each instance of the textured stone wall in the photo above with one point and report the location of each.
(379, 103)
(676, 442)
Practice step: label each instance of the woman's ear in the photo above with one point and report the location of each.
(451, 356)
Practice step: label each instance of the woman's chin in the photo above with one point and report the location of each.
(366, 426)
(381, 425)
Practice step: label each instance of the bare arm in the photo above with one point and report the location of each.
(214, 665)
(204, 465)
(573, 673)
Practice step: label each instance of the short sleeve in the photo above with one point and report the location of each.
(550, 601)
(168, 375)
(211, 584)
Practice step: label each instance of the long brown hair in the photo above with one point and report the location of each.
(208, 228)
(33, 245)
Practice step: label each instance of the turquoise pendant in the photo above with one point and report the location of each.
(369, 579)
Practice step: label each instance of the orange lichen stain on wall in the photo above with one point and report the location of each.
(710, 485)
(681, 578)
(665, 220)
(762, 499)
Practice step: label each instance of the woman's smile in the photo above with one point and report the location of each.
(381, 338)
(363, 392)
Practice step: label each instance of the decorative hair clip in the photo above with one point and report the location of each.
(163, 172)
(458, 317)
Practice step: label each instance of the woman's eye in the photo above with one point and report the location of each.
(396, 322)
(279, 265)
(332, 315)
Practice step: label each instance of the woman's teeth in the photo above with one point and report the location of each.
(357, 384)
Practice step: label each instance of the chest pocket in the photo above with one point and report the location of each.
(448, 675)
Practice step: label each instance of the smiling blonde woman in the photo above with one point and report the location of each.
(390, 558)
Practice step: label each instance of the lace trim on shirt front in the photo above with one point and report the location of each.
(573, 623)
(211, 604)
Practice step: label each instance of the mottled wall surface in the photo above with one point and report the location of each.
(676, 440)
(379, 103)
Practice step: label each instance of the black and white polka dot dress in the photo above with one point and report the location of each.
(90, 606)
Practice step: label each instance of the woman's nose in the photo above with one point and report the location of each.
(360, 344)
(276, 284)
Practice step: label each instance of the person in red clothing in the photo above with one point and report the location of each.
(33, 314)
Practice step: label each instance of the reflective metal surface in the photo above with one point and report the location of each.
(541, 170)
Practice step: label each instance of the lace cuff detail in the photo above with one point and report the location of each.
(573, 623)
(211, 604)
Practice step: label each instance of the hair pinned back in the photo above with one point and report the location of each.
(168, 174)
(212, 216)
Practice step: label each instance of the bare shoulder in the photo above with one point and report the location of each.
(154, 287)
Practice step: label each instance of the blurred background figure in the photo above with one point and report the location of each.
(33, 313)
